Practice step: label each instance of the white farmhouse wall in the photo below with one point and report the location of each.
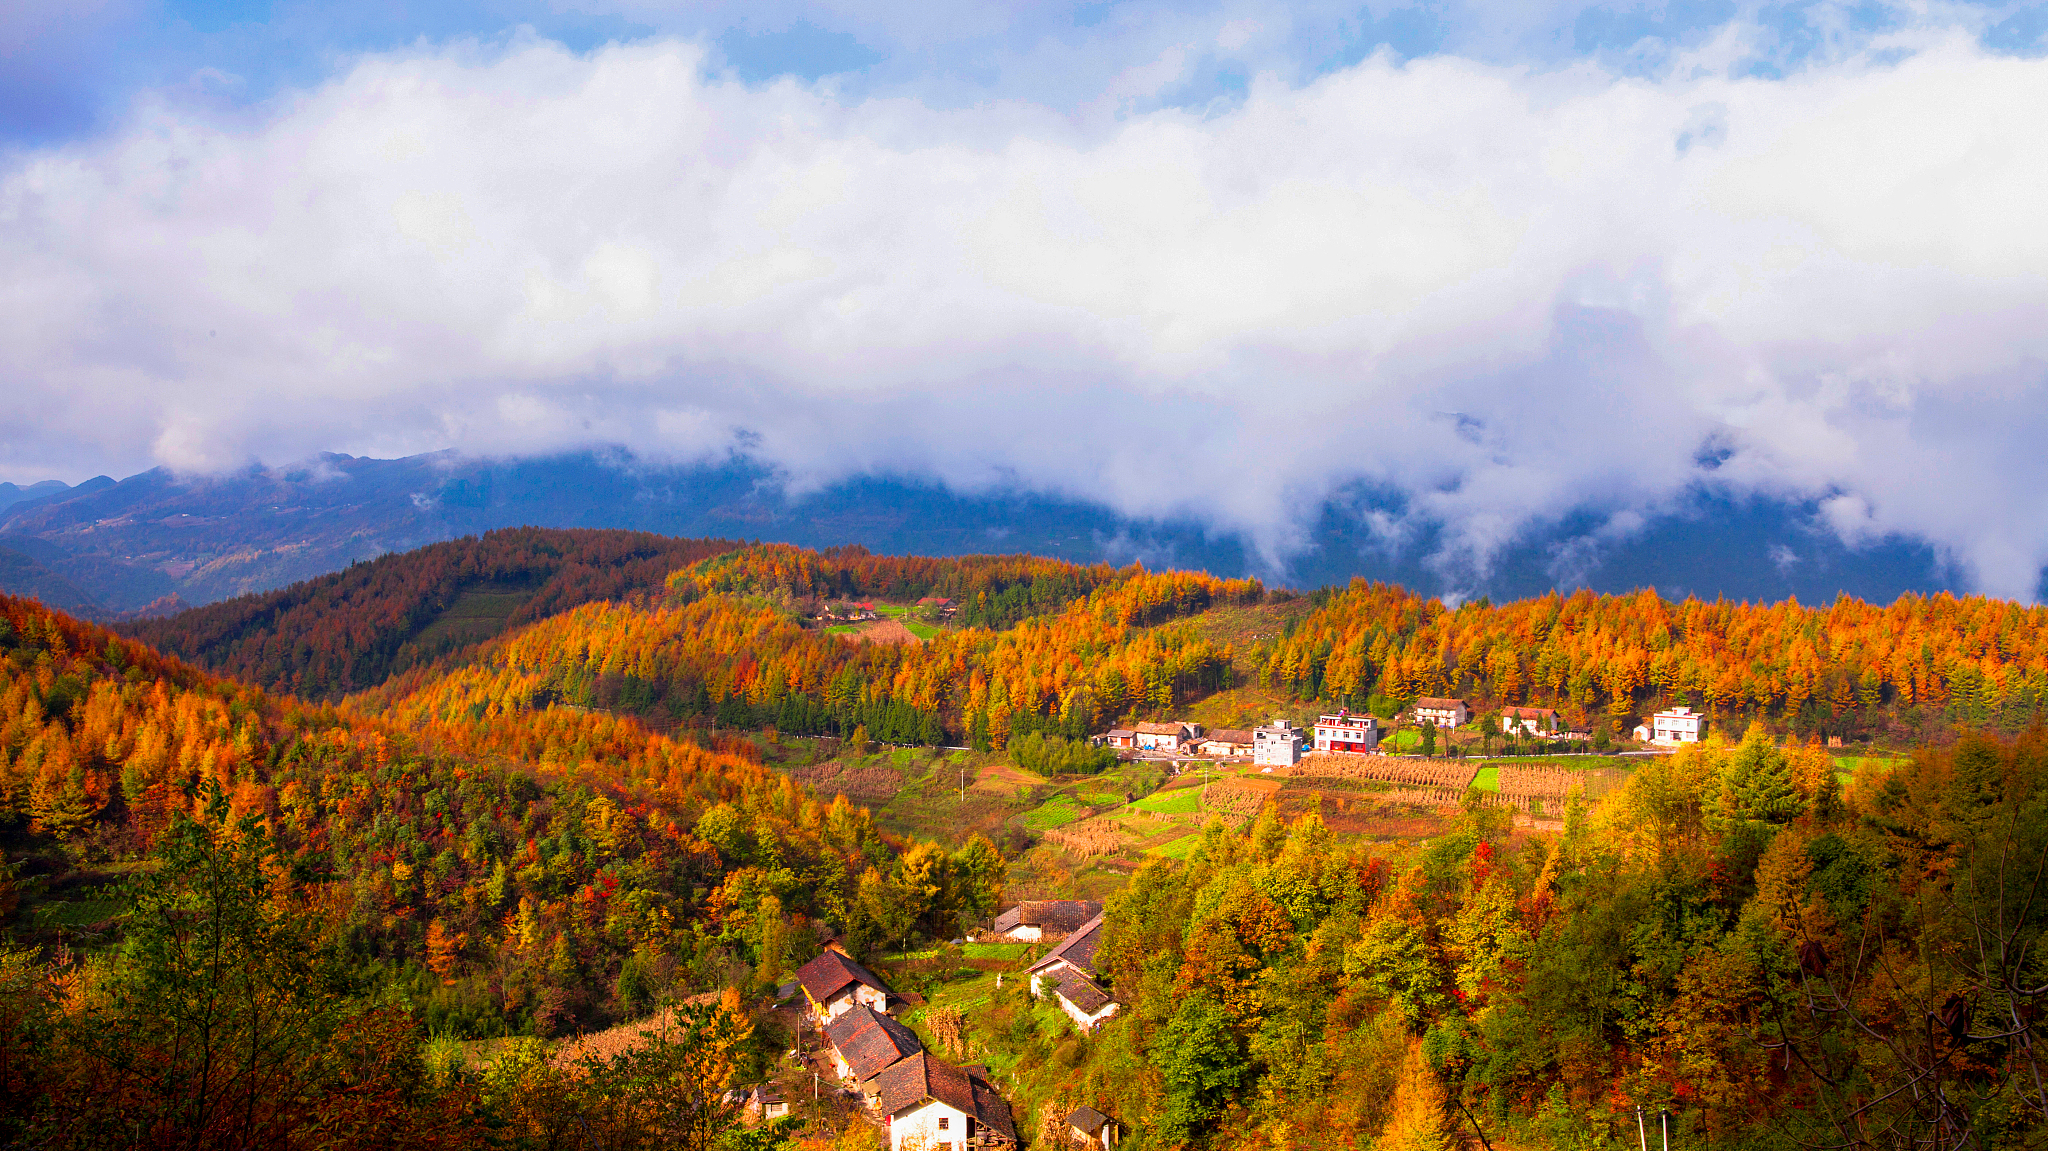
(919, 1130)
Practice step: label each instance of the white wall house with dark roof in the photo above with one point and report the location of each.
(834, 984)
(1067, 975)
(1442, 712)
(932, 1105)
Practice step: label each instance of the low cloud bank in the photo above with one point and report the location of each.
(1506, 295)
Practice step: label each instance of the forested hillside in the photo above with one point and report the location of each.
(1851, 667)
(989, 591)
(741, 661)
(557, 874)
(1729, 938)
(493, 843)
(1092, 646)
(325, 637)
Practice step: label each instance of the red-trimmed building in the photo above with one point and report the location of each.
(1349, 734)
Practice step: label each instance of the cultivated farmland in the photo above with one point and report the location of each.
(1453, 775)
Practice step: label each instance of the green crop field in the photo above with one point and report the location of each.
(1101, 798)
(1179, 801)
(1178, 849)
(1488, 778)
(996, 950)
(1055, 812)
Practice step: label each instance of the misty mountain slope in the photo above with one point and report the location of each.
(208, 538)
(352, 629)
(21, 575)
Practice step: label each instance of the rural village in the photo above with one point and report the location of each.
(854, 1043)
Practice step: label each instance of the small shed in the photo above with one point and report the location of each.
(766, 1103)
(1091, 1127)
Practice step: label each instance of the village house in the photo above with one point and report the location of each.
(1347, 733)
(1278, 744)
(1091, 1128)
(866, 1042)
(930, 1104)
(1442, 712)
(1528, 720)
(1679, 725)
(1067, 973)
(834, 985)
(766, 1104)
(1120, 737)
(1080, 998)
(1172, 738)
(1037, 919)
(1225, 741)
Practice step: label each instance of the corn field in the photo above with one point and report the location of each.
(1423, 773)
(1091, 837)
(1237, 798)
(1422, 796)
(1546, 782)
(1540, 805)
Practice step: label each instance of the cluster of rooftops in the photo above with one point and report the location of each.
(919, 1097)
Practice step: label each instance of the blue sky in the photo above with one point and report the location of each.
(1515, 266)
(76, 65)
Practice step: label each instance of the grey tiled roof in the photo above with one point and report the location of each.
(870, 1041)
(925, 1076)
(1087, 1120)
(1057, 915)
(1079, 990)
(1079, 948)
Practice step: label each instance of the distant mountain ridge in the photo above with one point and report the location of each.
(124, 544)
(11, 494)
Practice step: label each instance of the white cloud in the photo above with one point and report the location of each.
(1508, 293)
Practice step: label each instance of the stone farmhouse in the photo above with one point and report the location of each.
(1442, 712)
(1067, 974)
(1037, 919)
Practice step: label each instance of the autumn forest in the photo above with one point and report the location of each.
(356, 862)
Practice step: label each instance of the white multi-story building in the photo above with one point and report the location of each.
(1345, 732)
(1679, 725)
(1278, 744)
